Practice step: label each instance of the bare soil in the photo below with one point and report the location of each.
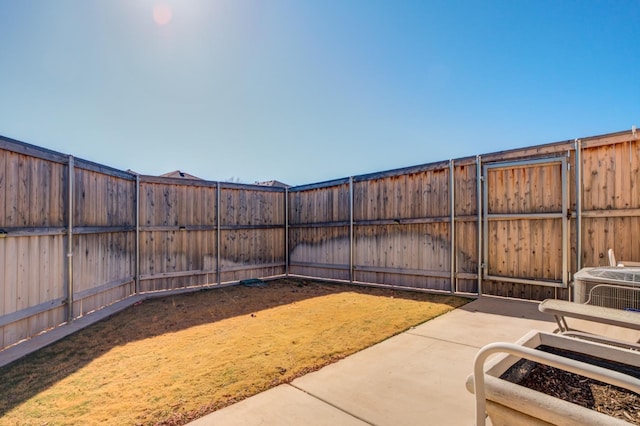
(168, 361)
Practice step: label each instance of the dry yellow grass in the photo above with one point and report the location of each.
(171, 360)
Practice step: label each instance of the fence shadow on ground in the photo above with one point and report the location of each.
(33, 374)
(509, 308)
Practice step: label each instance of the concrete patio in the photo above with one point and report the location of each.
(415, 378)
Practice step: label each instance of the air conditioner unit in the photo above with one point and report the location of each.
(615, 287)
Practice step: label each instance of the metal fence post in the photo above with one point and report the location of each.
(351, 278)
(452, 212)
(137, 289)
(70, 189)
(286, 231)
(565, 223)
(578, 204)
(218, 238)
(480, 222)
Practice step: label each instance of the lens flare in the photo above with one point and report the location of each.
(162, 14)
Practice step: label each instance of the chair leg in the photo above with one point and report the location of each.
(562, 323)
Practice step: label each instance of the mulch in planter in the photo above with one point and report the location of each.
(611, 400)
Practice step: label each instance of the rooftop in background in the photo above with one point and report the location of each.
(275, 183)
(180, 175)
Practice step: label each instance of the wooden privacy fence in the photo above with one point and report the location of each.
(517, 223)
(202, 232)
(77, 236)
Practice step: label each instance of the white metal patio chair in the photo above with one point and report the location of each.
(612, 260)
(608, 304)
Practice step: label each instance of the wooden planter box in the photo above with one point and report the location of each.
(507, 403)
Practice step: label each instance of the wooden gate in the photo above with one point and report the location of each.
(526, 222)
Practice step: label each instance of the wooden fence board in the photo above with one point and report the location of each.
(3, 188)
(634, 174)
(467, 251)
(10, 291)
(175, 251)
(319, 205)
(319, 245)
(103, 200)
(526, 249)
(465, 190)
(402, 197)
(12, 194)
(610, 185)
(411, 247)
(33, 282)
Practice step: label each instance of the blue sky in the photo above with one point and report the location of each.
(305, 91)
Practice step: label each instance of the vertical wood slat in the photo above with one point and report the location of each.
(10, 334)
(12, 194)
(33, 283)
(4, 204)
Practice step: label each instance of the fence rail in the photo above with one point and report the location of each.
(76, 236)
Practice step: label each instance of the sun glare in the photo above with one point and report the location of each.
(162, 14)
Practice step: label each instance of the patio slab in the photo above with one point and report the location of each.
(487, 320)
(408, 380)
(283, 405)
(415, 378)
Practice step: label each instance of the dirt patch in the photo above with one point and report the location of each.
(593, 394)
(171, 360)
